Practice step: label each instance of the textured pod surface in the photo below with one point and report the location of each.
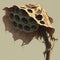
(28, 19)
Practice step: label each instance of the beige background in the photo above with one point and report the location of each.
(10, 50)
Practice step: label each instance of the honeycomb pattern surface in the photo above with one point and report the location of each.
(28, 18)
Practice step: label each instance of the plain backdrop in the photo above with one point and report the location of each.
(12, 50)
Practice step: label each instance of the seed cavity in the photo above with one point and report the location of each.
(24, 20)
(39, 17)
(31, 20)
(42, 22)
(23, 12)
(29, 10)
(17, 18)
(26, 28)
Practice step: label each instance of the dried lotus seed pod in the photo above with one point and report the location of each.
(28, 21)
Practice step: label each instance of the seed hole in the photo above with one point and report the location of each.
(31, 20)
(27, 28)
(17, 18)
(42, 22)
(24, 13)
(39, 17)
(24, 20)
(29, 10)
